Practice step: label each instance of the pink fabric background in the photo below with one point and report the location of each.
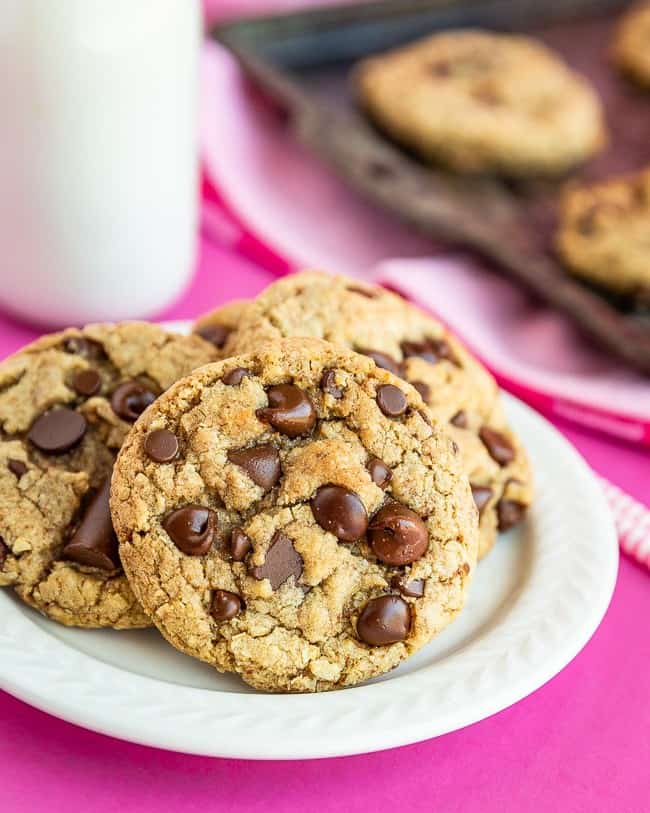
(578, 744)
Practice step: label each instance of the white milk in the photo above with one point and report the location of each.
(98, 160)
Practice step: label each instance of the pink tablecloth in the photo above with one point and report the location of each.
(578, 744)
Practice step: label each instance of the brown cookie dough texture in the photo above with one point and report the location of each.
(604, 234)
(401, 338)
(631, 46)
(483, 102)
(66, 403)
(315, 528)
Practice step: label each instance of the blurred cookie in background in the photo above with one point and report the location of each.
(477, 101)
(631, 46)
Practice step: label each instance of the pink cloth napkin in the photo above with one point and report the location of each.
(284, 191)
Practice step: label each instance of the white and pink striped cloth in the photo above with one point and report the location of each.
(632, 522)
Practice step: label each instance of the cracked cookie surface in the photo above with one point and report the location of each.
(604, 234)
(67, 402)
(477, 101)
(313, 527)
(406, 341)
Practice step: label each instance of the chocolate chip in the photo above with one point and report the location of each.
(380, 474)
(215, 334)
(382, 360)
(340, 512)
(236, 376)
(498, 445)
(240, 545)
(482, 495)
(94, 542)
(58, 430)
(225, 605)
(384, 620)
(161, 445)
(261, 464)
(397, 535)
(431, 350)
(87, 348)
(290, 410)
(86, 382)
(282, 561)
(192, 529)
(509, 513)
(423, 389)
(412, 589)
(328, 384)
(17, 467)
(131, 399)
(4, 552)
(391, 400)
(367, 292)
(459, 420)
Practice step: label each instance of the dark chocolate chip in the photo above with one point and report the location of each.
(161, 445)
(261, 464)
(384, 620)
(340, 512)
(482, 495)
(391, 400)
(131, 399)
(86, 382)
(240, 545)
(380, 474)
(509, 513)
(282, 561)
(369, 293)
(397, 535)
(413, 588)
(225, 605)
(498, 445)
(423, 389)
(58, 430)
(215, 334)
(4, 552)
(94, 542)
(290, 410)
(192, 529)
(84, 347)
(459, 420)
(328, 384)
(236, 376)
(382, 360)
(17, 467)
(431, 350)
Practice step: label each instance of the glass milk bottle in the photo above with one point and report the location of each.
(98, 156)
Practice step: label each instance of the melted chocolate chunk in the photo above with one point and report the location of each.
(94, 543)
(282, 561)
(384, 620)
(261, 464)
(340, 512)
(58, 431)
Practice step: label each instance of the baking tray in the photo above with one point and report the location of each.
(303, 61)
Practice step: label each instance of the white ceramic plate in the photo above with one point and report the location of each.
(535, 602)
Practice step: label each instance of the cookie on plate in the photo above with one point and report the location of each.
(604, 234)
(67, 401)
(215, 327)
(401, 338)
(477, 101)
(313, 527)
(631, 47)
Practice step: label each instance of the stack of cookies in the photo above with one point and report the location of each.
(298, 492)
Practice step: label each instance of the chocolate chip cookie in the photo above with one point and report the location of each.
(409, 343)
(295, 515)
(215, 327)
(631, 46)
(67, 401)
(604, 234)
(476, 101)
